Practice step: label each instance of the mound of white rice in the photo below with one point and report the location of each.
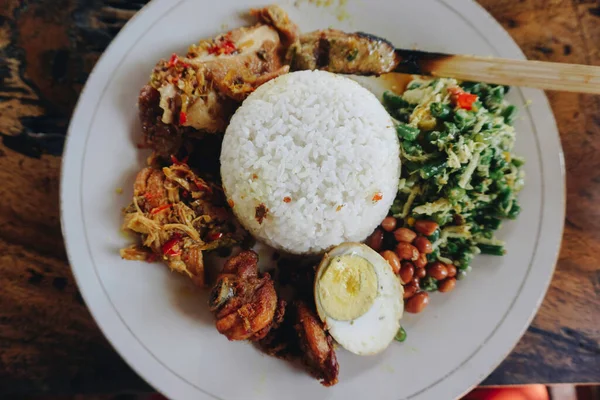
(310, 160)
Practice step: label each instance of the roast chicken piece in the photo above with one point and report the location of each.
(178, 216)
(244, 301)
(200, 91)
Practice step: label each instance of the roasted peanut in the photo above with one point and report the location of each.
(392, 259)
(410, 290)
(437, 270)
(424, 245)
(426, 227)
(417, 303)
(404, 235)
(451, 270)
(421, 273)
(375, 241)
(421, 262)
(388, 224)
(447, 285)
(407, 251)
(407, 270)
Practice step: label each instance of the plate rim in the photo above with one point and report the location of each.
(91, 297)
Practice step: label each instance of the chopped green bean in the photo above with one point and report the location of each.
(407, 132)
(451, 129)
(456, 194)
(514, 211)
(472, 87)
(431, 257)
(434, 236)
(494, 98)
(517, 162)
(440, 110)
(412, 148)
(429, 284)
(464, 260)
(510, 114)
(393, 101)
(432, 168)
(464, 119)
(491, 249)
(400, 335)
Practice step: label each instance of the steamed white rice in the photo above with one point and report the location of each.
(319, 154)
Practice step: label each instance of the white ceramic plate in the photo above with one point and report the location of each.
(160, 324)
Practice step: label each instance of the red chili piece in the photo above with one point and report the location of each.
(171, 247)
(461, 98)
(159, 209)
(182, 118)
(173, 60)
(223, 46)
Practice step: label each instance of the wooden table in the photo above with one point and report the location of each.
(48, 340)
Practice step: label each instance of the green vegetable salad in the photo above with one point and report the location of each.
(457, 166)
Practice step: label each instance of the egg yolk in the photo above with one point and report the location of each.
(348, 287)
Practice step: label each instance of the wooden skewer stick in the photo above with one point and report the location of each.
(535, 74)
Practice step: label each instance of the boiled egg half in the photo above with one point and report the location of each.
(358, 298)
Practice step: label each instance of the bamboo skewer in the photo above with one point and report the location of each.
(535, 74)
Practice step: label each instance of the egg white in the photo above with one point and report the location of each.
(373, 331)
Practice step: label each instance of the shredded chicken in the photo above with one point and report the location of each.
(245, 302)
(178, 216)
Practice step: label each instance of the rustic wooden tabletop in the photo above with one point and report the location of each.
(49, 343)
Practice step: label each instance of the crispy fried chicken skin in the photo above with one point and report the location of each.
(316, 346)
(344, 53)
(198, 92)
(178, 216)
(244, 301)
(301, 337)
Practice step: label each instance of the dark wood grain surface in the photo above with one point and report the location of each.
(48, 341)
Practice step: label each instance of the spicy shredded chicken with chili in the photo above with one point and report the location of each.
(178, 216)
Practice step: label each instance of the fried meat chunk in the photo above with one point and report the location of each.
(244, 301)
